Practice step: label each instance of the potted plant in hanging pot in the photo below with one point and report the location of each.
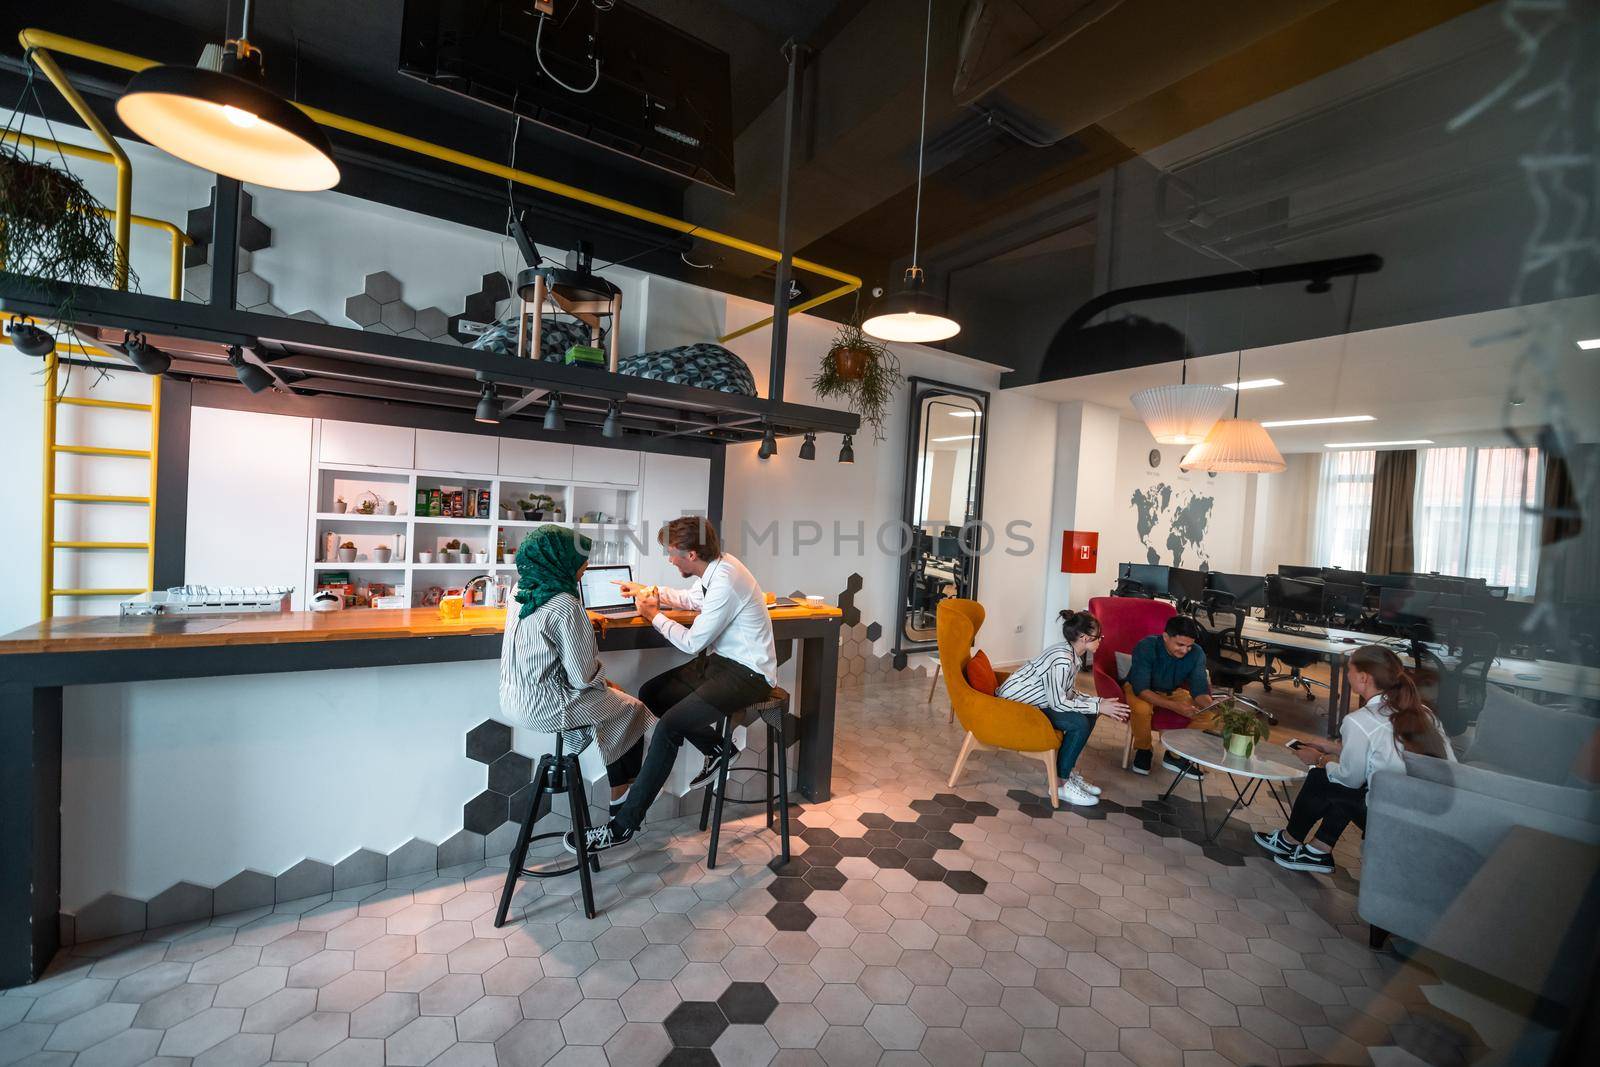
(1242, 726)
(51, 227)
(862, 372)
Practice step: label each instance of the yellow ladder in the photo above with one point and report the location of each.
(54, 495)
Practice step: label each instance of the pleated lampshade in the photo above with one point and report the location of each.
(1181, 414)
(1235, 446)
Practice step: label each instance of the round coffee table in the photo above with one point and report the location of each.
(1269, 764)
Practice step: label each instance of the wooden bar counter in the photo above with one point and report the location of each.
(113, 656)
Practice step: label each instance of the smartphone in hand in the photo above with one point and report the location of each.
(1293, 743)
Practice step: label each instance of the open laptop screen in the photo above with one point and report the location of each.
(598, 590)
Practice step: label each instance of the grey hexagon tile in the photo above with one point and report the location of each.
(397, 316)
(252, 290)
(308, 316)
(462, 847)
(109, 916)
(245, 890)
(305, 879)
(362, 310)
(382, 287)
(413, 857)
(183, 902)
(361, 867)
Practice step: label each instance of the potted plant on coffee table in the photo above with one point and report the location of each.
(1242, 726)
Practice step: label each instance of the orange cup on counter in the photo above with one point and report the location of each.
(772, 598)
(450, 607)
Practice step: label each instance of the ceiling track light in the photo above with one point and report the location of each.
(847, 452)
(913, 314)
(612, 427)
(769, 443)
(488, 406)
(30, 340)
(554, 421)
(252, 376)
(808, 449)
(228, 122)
(146, 356)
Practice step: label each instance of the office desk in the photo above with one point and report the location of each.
(1330, 648)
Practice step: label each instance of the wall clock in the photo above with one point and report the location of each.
(1155, 457)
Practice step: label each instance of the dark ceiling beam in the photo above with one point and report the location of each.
(1057, 361)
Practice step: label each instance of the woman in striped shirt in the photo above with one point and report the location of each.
(551, 678)
(1046, 682)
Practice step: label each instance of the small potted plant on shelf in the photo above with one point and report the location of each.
(347, 552)
(371, 506)
(1242, 726)
(862, 372)
(382, 553)
(340, 506)
(537, 507)
(451, 553)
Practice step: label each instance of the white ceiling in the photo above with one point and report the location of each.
(1449, 378)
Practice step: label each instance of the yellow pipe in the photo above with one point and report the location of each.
(93, 450)
(90, 402)
(113, 58)
(99, 498)
(28, 140)
(795, 309)
(138, 545)
(120, 224)
(48, 564)
(97, 592)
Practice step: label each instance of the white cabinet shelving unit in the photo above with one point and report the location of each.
(408, 536)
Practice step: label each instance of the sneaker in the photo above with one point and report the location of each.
(1084, 784)
(600, 838)
(708, 773)
(1181, 767)
(1141, 761)
(1071, 794)
(1274, 843)
(1304, 859)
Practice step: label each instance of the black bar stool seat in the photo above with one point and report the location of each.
(557, 773)
(774, 711)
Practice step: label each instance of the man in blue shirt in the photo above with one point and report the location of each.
(1168, 672)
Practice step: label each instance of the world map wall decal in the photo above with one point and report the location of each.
(1174, 519)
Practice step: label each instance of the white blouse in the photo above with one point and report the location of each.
(1368, 745)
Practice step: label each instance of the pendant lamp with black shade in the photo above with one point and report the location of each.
(228, 122)
(913, 314)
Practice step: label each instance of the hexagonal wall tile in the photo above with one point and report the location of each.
(362, 310)
(398, 316)
(488, 741)
(382, 287)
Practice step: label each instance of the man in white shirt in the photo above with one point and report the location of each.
(735, 664)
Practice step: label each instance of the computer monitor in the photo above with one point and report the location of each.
(1293, 570)
(1389, 581)
(1247, 590)
(1152, 576)
(1294, 596)
(1344, 601)
(1186, 585)
(1407, 610)
(1341, 576)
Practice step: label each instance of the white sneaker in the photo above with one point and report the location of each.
(1084, 784)
(1073, 795)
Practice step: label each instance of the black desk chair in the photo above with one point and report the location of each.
(1456, 689)
(774, 711)
(1297, 660)
(1227, 652)
(1130, 588)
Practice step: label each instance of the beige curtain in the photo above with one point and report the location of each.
(1569, 556)
(1389, 537)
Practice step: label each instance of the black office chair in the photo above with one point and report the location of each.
(1297, 661)
(1456, 689)
(1130, 588)
(1227, 656)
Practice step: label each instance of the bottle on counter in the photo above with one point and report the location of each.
(500, 548)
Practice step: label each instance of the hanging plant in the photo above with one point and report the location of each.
(50, 225)
(862, 372)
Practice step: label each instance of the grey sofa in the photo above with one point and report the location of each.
(1493, 862)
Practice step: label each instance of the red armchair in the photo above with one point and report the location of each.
(1124, 622)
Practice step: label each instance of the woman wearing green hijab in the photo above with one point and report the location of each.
(551, 678)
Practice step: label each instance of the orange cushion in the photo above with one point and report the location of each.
(980, 675)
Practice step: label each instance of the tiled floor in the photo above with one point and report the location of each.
(916, 925)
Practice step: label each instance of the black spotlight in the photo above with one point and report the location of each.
(252, 376)
(554, 421)
(30, 340)
(612, 427)
(847, 453)
(808, 449)
(769, 444)
(488, 405)
(146, 356)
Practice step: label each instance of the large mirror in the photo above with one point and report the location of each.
(943, 507)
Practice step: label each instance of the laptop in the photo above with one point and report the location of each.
(603, 596)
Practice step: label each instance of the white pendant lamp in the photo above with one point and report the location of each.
(1235, 445)
(228, 122)
(914, 314)
(1181, 414)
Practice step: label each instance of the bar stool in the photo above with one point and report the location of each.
(774, 710)
(557, 773)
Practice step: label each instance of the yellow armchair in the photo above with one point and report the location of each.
(990, 722)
